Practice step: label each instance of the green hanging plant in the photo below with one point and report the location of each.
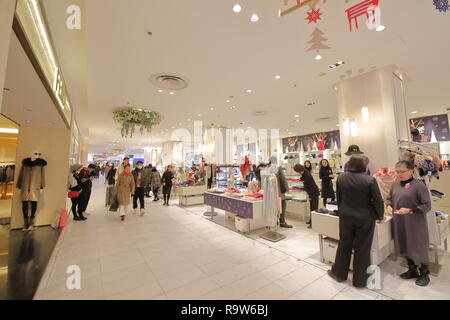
(130, 118)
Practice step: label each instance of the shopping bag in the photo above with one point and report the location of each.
(64, 217)
(55, 224)
(114, 204)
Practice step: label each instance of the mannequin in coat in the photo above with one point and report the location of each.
(31, 182)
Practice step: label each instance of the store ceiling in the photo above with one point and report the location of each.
(26, 101)
(222, 54)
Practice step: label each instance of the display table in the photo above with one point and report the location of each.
(328, 228)
(297, 209)
(247, 213)
(189, 196)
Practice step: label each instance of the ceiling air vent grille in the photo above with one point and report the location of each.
(169, 81)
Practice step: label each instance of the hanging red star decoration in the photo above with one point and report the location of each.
(313, 15)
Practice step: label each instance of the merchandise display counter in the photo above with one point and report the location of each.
(189, 196)
(248, 214)
(297, 204)
(327, 226)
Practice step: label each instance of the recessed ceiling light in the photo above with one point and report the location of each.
(414, 112)
(179, 124)
(228, 101)
(249, 91)
(318, 57)
(199, 115)
(338, 125)
(380, 28)
(297, 120)
(332, 66)
(277, 77)
(212, 109)
(173, 127)
(237, 8)
(233, 108)
(160, 90)
(172, 93)
(296, 116)
(254, 18)
(249, 127)
(339, 63)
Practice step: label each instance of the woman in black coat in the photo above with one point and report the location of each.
(167, 182)
(359, 205)
(326, 175)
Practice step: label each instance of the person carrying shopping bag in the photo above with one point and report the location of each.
(125, 190)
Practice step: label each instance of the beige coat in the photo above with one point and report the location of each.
(125, 187)
(31, 179)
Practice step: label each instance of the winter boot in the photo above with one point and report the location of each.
(423, 279)
(412, 272)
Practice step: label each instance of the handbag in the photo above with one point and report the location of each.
(114, 205)
(73, 194)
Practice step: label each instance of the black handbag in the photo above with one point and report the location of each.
(114, 205)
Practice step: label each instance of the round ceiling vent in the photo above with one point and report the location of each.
(259, 113)
(169, 81)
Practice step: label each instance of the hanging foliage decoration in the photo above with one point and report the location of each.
(130, 118)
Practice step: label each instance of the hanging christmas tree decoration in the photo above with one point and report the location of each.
(313, 15)
(366, 8)
(441, 5)
(317, 42)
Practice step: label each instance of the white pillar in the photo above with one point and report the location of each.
(382, 92)
(7, 8)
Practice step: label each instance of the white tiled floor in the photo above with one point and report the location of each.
(176, 253)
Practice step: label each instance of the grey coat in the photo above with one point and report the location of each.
(31, 179)
(155, 179)
(411, 230)
(283, 186)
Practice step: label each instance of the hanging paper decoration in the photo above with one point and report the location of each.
(366, 8)
(441, 5)
(299, 4)
(317, 41)
(313, 15)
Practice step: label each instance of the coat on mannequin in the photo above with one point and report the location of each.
(31, 182)
(283, 188)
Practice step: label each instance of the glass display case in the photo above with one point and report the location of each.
(223, 176)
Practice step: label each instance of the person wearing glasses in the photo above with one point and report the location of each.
(409, 202)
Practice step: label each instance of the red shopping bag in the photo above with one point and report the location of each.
(63, 218)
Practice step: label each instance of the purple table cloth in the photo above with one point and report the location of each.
(241, 208)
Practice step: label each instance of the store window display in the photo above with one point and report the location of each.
(409, 202)
(31, 182)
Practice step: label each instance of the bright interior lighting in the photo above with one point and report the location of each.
(237, 8)
(212, 109)
(254, 18)
(380, 28)
(7, 130)
(160, 90)
(277, 77)
(354, 129)
(347, 127)
(340, 63)
(172, 93)
(365, 114)
(228, 101)
(296, 116)
(318, 57)
(414, 112)
(249, 91)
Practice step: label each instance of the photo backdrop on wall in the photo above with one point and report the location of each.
(311, 142)
(428, 126)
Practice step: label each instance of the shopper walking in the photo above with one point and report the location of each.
(75, 187)
(327, 176)
(308, 166)
(167, 182)
(125, 190)
(311, 189)
(155, 180)
(148, 174)
(140, 181)
(120, 169)
(359, 205)
(409, 202)
(110, 182)
(86, 178)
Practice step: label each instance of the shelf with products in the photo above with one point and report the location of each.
(223, 176)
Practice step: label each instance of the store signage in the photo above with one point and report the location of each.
(431, 129)
(60, 90)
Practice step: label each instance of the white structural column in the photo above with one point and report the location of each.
(7, 8)
(381, 91)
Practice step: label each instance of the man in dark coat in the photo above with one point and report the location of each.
(86, 178)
